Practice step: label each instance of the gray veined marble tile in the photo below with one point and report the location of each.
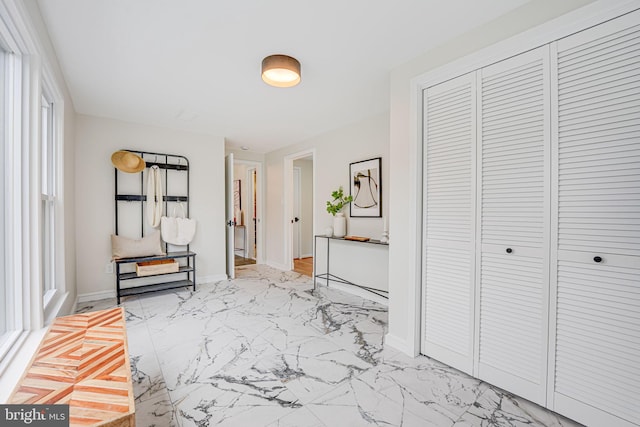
(146, 375)
(356, 403)
(496, 407)
(427, 388)
(156, 412)
(365, 339)
(203, 361)
(236, 400)
(167, 333)
(301, 417)
(270, 274)
(312, 368)
(283, 332)
(265, 349)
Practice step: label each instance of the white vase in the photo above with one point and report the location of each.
(339, 225)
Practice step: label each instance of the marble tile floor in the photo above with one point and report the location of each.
(265, 350)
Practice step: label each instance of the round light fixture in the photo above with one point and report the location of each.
(280, 71)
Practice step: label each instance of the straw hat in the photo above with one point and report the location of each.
(127, 161)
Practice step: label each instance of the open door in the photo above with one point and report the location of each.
(228, 203)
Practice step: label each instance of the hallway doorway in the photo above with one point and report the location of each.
(299, 211)
(247, 213)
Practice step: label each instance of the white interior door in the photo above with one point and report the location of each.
(230, 224)
(596, 379)
(297, 203)
(449, 221)
(512, 257)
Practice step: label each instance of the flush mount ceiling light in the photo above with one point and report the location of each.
(280, 71)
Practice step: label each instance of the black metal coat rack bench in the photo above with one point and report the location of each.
(332, 277)
(166, 163)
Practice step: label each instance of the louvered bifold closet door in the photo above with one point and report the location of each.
(448, 221)
(597, 328)
(513, 192)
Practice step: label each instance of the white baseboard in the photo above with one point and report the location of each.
(400, 344)
(306, 255)
(94, 296)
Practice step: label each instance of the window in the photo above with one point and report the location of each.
(11, 315)
(31, 227)
(3, 204)
(48, 201)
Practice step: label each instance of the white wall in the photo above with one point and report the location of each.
(306, 205)
(404, 182)
(333, 152)
(96, 140)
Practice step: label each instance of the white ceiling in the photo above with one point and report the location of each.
(195, 64)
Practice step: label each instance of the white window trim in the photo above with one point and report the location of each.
(23, 180)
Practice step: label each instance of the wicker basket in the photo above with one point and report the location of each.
(160, 266)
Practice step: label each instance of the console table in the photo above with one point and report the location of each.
(332, 277)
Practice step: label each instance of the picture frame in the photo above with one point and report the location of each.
(365, 179)
(237, 195)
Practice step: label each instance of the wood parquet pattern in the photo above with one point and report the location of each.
(83, 361)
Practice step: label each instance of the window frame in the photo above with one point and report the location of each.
(30, 76)
(16, 310)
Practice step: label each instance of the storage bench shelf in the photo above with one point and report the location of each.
(137, 290)
(134, 275)
(172, 166)
(189, 270)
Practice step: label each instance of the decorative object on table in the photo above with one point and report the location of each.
(357, 238)
(366, 188)
(126, 161)
(178, 230)
(385, 232)
(334, 207)
(158, 266)
(125, 247)
(154, 196)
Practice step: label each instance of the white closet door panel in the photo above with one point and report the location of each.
(511, 309)
(514, 138)
(596, 374)
(598, 145)
(598, 335)
(449, 221)
(513, 193)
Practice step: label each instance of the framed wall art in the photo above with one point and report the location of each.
(366, 188)
(237, 195)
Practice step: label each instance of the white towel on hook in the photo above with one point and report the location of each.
(154, 196)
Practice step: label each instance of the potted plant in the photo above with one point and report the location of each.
(334, 207)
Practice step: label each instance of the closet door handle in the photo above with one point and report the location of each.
(597, 259)
(509, 250)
